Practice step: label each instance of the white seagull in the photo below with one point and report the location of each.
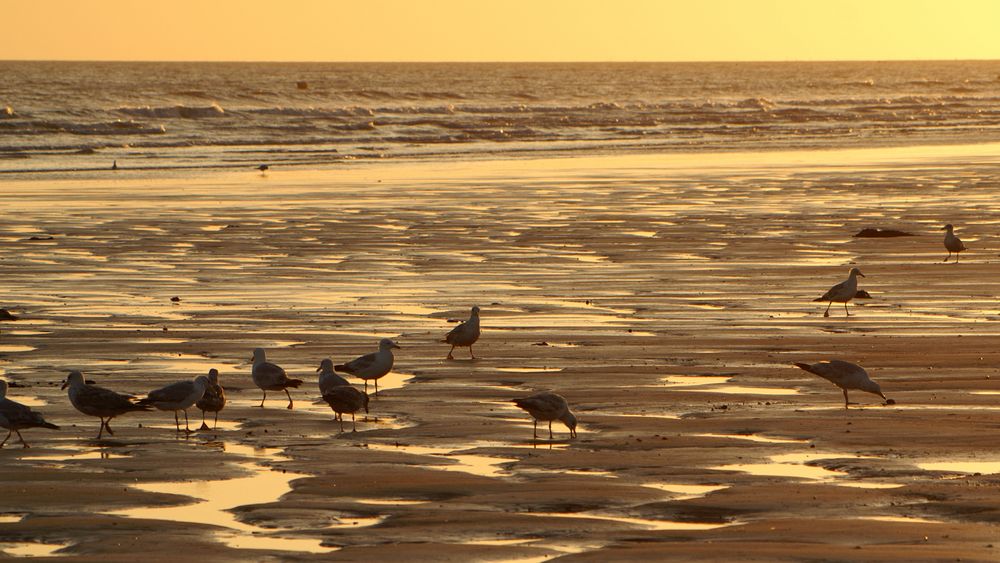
(465, 334)
(842, 292)
(846, 376)
(16, 417)
(178, 396)
(371, 366)
(952, 243)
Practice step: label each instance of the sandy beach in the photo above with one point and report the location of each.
(666, 297)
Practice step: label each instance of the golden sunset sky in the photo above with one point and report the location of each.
(500, 30)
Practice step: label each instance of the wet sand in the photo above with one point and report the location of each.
(665, 297)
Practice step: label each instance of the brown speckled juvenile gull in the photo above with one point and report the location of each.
(465, 334)
(548, 407)
(345, 398)
(271, 377)
(214, 399)
(846, 376)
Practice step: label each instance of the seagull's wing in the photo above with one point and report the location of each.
(172, 393)
(359, 364)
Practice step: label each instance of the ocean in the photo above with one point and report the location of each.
(64, 117)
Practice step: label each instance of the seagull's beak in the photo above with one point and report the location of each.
(396, 346)
(65, 383)
(319, 369)
(862, 275)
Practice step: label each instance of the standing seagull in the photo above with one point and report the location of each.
(178, 396)
(548, 407)
(214, 399)
(345, 398)
(328, 378)
(103, 403)
(16, 417)
(371, 366)
(263, 169)
(846, 376)
(465, 334)
(952, 243)
(271, 377)
(842, 292)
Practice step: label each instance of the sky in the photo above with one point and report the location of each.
(499, 30)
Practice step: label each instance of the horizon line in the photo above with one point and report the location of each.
(634, 61)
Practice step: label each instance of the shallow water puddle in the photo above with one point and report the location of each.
(10, 518)
(904, 519)
(694, 380)
(31, 549)
(486, 466)
(213, 500)
(792, 465)
(743, 390)
(530, 370)
(647, 523)
(685, 491)
(15, 348)
(964, 466)
(754, 438)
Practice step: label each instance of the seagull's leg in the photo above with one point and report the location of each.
(7, 438)
(550, 430)
(957, 256)
(187, 428)
(845, 309)
(21, 438)
(376, 390)
(216, 427)
(289, 398)
(450, 357)
(470, 352)
(341, 422)
(947, 257)
(177, 423)
(535, 432)
(354, 424)
(107, 425)
(366, 387)
(204, 425)
(262, 400)
(845, 399)
(827, 312)
(100, 432)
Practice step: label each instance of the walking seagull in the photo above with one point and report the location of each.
(103, 403)
(465, 334)
(842, 292)
(846, 376)
(16, 417)
(952, 243)
(214, 399)
(371, 366)
(345, 398)
(177, 397)
(271, 377)
(548, 407)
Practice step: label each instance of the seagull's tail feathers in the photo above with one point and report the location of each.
(293, 383)
(341, 368)
(50, 426)
(818, 299)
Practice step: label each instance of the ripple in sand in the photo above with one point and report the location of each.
(485, 466)
(647, 523)
(685, 491)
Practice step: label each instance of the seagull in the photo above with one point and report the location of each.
(548, 407)
(345, 398)
(328, 378)
(846, 376)
(371, 366)
(842, 292)
(114, 165)
(952, 243)
(103, 403)
(214, 399)
(263, 168)
(178, 396)
(16, 417)
(271, 377)
(465, 334)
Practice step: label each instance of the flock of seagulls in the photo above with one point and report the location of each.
(205, 392)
